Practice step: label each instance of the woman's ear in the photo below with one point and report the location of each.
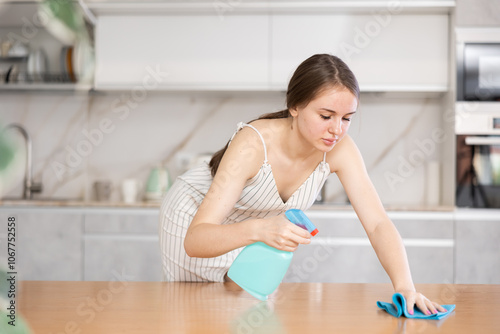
(293, 112)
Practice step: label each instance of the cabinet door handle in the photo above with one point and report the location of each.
(482, 140)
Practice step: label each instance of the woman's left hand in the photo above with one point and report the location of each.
(425, 305)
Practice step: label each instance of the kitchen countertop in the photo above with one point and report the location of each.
(177, 307)
(322, 210)
(145, 204)
(75, 203)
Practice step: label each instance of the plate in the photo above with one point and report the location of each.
(69, 64)
(41, 67)
(62, 64)
(31, 66)
(76, 61)
(83, 61)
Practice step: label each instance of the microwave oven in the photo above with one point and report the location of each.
(478, 64)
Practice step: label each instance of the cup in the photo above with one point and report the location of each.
(158, 183)
(130, 190)
(5, 48)
(102, 190)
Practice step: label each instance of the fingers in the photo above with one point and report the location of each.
(289, 241)
(286, 235)
(300, 235)
(440, 308)
(424, 305)
(410, 301)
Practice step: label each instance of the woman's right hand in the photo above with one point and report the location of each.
(280, 233)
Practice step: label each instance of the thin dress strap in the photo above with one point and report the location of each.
(240, 126)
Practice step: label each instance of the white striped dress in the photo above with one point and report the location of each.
(259, 199)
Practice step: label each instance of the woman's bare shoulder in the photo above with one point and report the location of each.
(245, 153)
(345, 153)
(269, 128)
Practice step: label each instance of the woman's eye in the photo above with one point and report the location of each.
(347, 119)
(325, 117)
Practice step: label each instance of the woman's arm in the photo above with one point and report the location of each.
(382, 233)
(206, 237)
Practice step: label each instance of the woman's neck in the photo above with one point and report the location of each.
(293, 144)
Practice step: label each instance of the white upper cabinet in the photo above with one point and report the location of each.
(240, 49)
(386, 52)
(183, 52)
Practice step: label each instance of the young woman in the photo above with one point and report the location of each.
(278, 162)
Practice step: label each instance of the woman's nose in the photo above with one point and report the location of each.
(336, 127)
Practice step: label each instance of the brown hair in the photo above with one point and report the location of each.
(316, 73)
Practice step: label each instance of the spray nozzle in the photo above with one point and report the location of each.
(299, 218)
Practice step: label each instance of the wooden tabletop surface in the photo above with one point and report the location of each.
(161, 307)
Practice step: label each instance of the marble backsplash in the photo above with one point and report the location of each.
(81, 138)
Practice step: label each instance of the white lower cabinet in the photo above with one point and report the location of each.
(80, 244)
(478, 251)
(114, 244)
(342, 253)
(121, 245)
(47, 244)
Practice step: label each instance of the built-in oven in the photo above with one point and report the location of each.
(478, 64)
(477, 127)
(477, 117)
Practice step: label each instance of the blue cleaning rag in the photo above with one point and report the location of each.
(398, 308)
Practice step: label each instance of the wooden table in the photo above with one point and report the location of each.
(160, 307)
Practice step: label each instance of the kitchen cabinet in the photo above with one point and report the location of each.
(182, 52)
(84, 244)
(48, 244)
(342, 253)
(478, 250)
(387, 52)
(106, 243)
(477, 13)
(121, 243)
(258, 48)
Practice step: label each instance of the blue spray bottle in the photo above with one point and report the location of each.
(259, 268)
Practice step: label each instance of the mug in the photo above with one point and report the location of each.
(102, 190)
(157, 184)
(130, 190)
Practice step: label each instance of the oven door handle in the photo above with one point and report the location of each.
(472, 140)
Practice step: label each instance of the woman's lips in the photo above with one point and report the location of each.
(329, 141)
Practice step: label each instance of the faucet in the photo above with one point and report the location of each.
(29, 187)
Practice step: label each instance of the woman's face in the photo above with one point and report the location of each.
(326, 119)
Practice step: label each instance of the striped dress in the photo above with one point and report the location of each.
(259, 199)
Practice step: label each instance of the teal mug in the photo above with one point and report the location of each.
(158, 184)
